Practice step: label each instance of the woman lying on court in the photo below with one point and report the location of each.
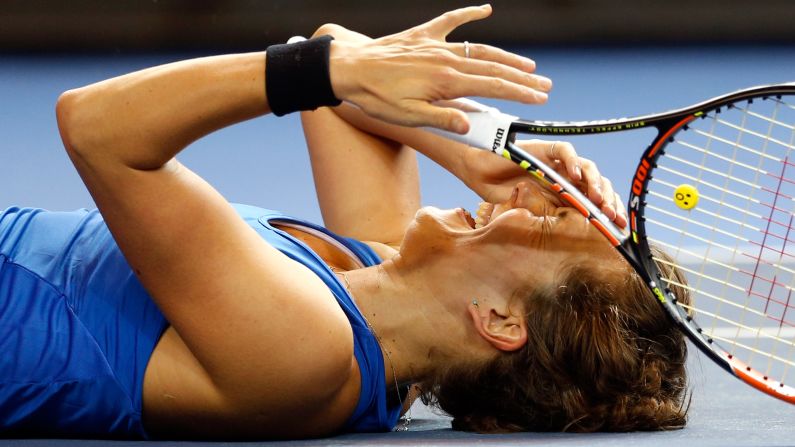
(171, 313)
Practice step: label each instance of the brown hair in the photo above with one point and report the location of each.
(600, 355)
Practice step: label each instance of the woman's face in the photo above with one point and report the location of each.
(530, 234)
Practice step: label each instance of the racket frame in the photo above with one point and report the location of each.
(633, 245)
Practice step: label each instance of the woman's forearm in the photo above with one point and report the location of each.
(446, 153)
(143, 119)
(396, 78)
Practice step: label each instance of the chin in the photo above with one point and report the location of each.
(431, 231)
(442, 218)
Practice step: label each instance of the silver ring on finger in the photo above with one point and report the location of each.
(466, 49)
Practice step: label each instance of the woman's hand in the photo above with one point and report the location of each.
(397, 78)
(493, 178)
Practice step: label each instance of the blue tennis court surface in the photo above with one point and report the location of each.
(255, 162)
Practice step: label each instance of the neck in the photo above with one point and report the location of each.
(416, 331)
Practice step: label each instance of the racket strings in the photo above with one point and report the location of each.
(751, 293)
(736, 250)
(704, 196)
(771, 120)
(772, 332)
(788, 329)
(736, 246)
(711, 214)
(756, 134)
(781, 252)
(721, 157)
(734, 163)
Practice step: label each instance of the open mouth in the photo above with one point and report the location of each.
(483, 214)
(467, 218)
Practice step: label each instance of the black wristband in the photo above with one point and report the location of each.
(297, 76)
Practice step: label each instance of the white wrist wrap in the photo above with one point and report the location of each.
(488, 127)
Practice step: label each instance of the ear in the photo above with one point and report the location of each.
(505, 330)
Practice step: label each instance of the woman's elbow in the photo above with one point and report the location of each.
(66, 113)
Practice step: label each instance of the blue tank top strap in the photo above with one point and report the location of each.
(372, 412)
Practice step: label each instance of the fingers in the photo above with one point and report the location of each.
(443, 25)
(481, 52)
(608, 205)
(600, 191)
(446, 118)
(593, 181)
(582, 172)
(405, 73)
(564, 152)
(504, 71)
(560, 154)
(621, 219)
(461, 84)
(435, 71)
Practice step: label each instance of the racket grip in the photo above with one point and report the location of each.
(488, 127)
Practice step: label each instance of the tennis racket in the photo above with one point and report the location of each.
(715, 189)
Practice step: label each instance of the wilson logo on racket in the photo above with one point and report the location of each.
(498, 139)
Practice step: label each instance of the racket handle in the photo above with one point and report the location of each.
(488, 127)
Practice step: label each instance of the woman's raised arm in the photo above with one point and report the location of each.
(240, 306)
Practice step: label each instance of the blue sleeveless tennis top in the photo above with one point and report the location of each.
(77, 328)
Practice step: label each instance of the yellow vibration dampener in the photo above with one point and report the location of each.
(686, 196)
